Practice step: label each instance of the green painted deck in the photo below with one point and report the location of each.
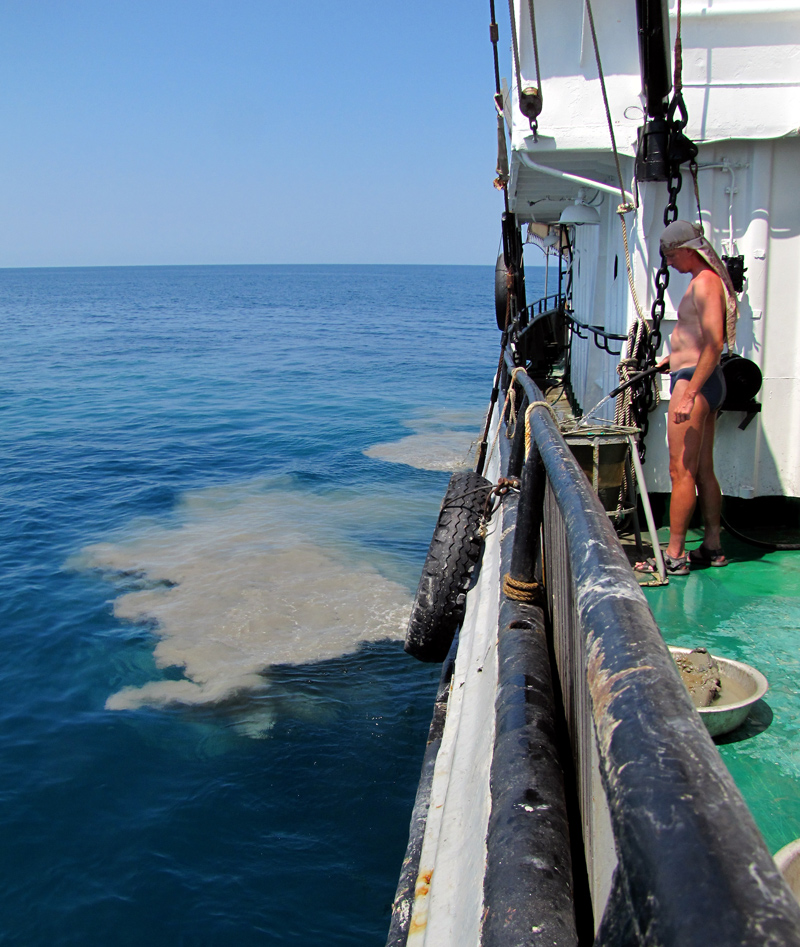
(749, 611)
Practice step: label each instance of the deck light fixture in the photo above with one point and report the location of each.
(580, 212)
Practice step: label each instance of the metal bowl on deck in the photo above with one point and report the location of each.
(742, 686)
(788, 862)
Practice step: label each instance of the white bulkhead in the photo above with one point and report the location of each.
(741, 85)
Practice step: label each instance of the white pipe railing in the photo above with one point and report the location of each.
(525, 158)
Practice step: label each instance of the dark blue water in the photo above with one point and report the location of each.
(210, 733)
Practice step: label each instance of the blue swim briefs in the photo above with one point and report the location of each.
(713, 390)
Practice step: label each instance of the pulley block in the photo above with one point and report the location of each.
(530, 102)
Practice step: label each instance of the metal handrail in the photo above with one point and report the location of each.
(692, 868)
(541, 305)
(598, 332)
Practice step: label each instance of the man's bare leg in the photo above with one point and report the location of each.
(685, 445)
(708, 490)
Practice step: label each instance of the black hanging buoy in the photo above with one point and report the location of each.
(500, 292)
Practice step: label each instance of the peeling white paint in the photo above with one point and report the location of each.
(449, 898)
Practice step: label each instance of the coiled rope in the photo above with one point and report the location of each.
(528, 592)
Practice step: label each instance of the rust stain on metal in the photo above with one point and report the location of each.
(419, 915)
(423, 885)
(603, 687)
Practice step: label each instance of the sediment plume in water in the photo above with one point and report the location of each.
(442, 441)
(245, 578)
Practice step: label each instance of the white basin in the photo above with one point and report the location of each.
(788, 862)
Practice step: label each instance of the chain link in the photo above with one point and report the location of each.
(643, 400)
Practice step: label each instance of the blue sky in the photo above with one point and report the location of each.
(246, 131)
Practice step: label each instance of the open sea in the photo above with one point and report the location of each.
(218, 489)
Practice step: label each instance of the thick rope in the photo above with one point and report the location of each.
(534, 404)
(638, 336)
(625, 206)
(528, 435)
(605, 98)
(678, 83)
(501, 181)
(622, 210)
(515, 47)
(535, 46)
(512, 413)
(510, 395)
(529, 592)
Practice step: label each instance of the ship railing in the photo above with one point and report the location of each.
(601, 337)
(551, 306)
(540, 332)
(668, 852)
(544, 304)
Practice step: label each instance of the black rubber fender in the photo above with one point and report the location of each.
(500, 292)
(454, 553)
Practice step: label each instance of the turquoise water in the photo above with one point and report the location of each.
(210, 733)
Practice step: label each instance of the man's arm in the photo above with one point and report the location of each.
(708, 297)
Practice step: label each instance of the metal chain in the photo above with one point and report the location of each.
(679, 151)
(644, 399)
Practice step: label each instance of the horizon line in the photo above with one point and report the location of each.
(120, 266)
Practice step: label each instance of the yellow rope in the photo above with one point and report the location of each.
(622, 210)
(531, 406)
(509, 395)
(512, 412)
(530, 592)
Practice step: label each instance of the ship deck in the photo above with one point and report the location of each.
(749, 611)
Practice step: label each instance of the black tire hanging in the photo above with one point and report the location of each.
(500, 292)
(452, 557)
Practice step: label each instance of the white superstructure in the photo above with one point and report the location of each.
(741, 85)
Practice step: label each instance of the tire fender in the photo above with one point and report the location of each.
(454, 553)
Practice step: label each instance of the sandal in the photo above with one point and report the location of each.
(673, 566)
(702, 556)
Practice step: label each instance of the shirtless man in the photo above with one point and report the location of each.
(698, 390)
